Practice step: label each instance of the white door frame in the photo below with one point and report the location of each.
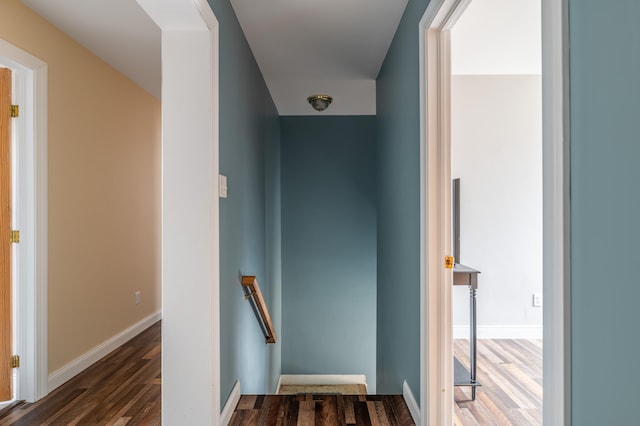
(436, 346)
(30, 92)
(436, 329)
(556, 258)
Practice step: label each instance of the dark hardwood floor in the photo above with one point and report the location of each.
(321, 410)
(123, 388)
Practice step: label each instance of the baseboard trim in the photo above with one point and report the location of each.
(78, 365)
(414, 408)
(499, 332)
(230, 406)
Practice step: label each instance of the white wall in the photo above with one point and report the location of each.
(497, 154)
(498, 37)
(190, 212)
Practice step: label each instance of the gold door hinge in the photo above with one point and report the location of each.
(448, 262)
(15, 111)
(15, 236)
(15, 361)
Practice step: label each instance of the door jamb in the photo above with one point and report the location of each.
(436, 401)
(436, 336)
(32, 206)
(556, 214)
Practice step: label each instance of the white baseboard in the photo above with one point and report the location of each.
(499, 332)
(322, 379)
(414, 408)
(230, 406)
(78, 365)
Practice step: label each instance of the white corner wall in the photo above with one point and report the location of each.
(497, 154)
(190, 212)
(188, 272)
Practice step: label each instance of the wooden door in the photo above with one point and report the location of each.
(6, 346)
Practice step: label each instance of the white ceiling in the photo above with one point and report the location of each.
(335, 47)
(302, 47)
(118, 31)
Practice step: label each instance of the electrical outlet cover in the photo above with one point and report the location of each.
(537, 300)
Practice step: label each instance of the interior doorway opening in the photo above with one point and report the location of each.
(437, 336)
(496, 159)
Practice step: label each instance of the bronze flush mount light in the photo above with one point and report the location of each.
(319, 102)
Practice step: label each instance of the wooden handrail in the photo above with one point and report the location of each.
(252, 291)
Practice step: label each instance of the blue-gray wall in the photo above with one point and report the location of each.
(605, 147)
(249, 221)
(398, 109)
(605, 208)
(329, 246)
(273, 241)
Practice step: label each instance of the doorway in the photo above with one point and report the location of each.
(437, 347)
(496, 153)
(30, 205)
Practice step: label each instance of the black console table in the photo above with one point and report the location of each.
(464, 275)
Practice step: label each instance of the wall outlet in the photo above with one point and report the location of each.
(137, 297)
(536, 300)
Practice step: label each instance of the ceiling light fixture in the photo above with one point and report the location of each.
(320, 102)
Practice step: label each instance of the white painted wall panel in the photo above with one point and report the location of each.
(497, 154)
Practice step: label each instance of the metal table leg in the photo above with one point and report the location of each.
(464, 275)
(472, 340)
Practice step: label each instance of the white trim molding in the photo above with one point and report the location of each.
(78, 365)
(556, 214)
(412, 404)
(31, 75)
(230, 406)
(436, 330)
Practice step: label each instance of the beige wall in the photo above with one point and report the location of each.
(104, 190)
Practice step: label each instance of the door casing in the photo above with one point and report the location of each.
(30, 295)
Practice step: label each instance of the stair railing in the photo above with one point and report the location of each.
(254, 295)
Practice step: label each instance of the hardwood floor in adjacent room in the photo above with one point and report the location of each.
(510, 372)
(123, 388)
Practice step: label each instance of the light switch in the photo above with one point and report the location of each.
(222, 185)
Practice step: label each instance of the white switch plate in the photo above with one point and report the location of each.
(222, 185)
(137, 297)
(536, 300)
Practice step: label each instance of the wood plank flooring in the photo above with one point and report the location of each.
(321, 410)
(510, 372)
(123, 388)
